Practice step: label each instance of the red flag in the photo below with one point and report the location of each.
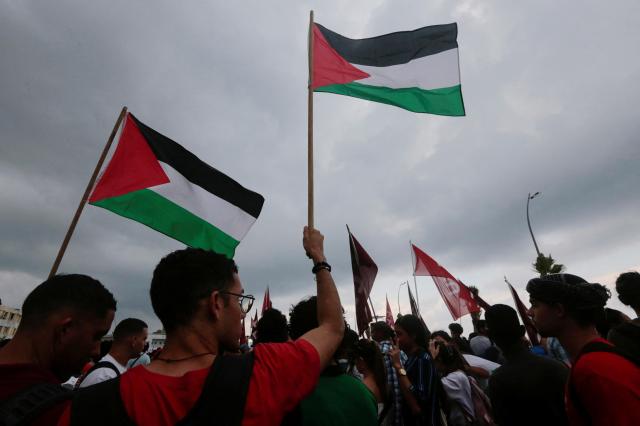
(389, 315)
(364, 273)
(254, 324)
(532, 332)
(456, 295)
(266, 302)
(479, 300)
(243, 338)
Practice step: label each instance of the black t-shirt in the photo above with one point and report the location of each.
(528, 390)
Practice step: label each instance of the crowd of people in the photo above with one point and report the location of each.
(312, 369)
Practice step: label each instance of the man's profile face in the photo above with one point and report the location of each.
(77, 342)
(544, 316)
(232, 318)
(139, 341)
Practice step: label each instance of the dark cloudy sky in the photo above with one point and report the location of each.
(551, 91)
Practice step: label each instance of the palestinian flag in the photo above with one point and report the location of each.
(415, 70)
(155, 181)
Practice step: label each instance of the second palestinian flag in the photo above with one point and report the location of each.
(155, 181)
(415, 70)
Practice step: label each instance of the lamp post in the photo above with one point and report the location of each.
(529, 198)
(399, 287)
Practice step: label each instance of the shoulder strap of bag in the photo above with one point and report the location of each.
(23, 407)
(224, 393)
(96, 366)
(99, 405)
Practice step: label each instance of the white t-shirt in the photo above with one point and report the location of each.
(104, 373)
(458, 389)
(479, 344)
(485, 364)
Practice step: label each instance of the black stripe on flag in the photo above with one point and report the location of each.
(395, 48)
(200, 173)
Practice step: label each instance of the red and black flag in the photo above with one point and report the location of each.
(364, 274)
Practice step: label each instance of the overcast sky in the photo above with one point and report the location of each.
(550, 90)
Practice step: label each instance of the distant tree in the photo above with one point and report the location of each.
(545, 265)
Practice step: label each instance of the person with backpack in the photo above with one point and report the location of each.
(63, 321)
(604, 382)
(200, 378)
(455, 383)
(528, 389)
(129, 338)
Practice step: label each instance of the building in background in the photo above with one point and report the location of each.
(9, 321)
(157, 340)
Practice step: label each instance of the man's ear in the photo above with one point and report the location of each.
(560, 310)
(216, 304)
(61, 328)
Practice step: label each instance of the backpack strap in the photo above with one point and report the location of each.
(23, 407)
(589, 348)
(98, 365)
(99, 405)
(224, 393)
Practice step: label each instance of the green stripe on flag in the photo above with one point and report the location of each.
(444, 101)
(155, 211)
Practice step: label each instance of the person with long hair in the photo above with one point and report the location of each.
(451, 366)
(368, 361)
(418, 376)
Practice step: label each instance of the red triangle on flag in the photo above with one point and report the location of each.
(328, 66)
(133, 166)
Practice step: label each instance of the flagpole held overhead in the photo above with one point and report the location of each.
(85, 196)
(310, 128)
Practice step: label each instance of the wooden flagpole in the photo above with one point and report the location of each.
(310, 128)
(87, 191)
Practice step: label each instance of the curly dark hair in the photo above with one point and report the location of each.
(583, 301)
(415, 328)
(628, 288)
(185, 277)
(272, 327)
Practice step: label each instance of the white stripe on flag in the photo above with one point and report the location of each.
(429, 72)
(228, 218)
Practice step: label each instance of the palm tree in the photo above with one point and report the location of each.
(545, 265)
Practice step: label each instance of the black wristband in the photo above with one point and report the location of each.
(320, 265)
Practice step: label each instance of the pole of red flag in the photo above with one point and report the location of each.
(375, 317)
(415, 282)
(85, 196)
(310, 128)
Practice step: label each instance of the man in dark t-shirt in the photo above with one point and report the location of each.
(525, 380)
(63, 321)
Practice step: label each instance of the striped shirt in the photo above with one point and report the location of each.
(422, 374)
(395, 415)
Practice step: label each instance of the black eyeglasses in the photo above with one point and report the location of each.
(245, 300)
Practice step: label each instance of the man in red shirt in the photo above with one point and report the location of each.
(604, 387)
(198, 297)
(63, 321)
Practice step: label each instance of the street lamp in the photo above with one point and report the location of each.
(399, 287)
(529, 198)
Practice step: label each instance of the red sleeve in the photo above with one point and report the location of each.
(609, 389)
(283, 374)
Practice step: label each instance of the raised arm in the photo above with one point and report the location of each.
(328, 335)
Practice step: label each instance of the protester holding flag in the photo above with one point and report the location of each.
(199, 299)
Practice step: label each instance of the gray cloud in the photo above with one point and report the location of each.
(549, 88)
